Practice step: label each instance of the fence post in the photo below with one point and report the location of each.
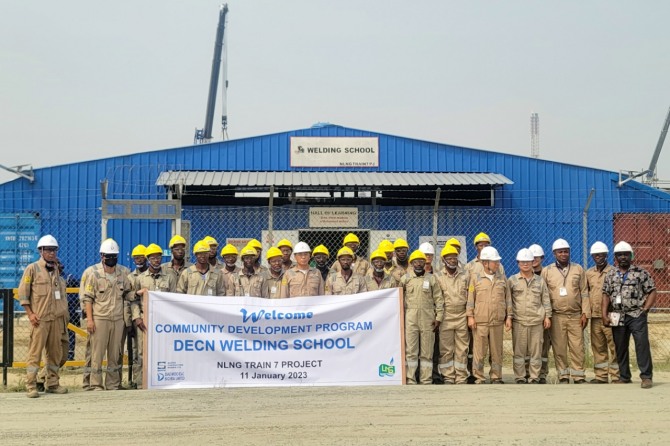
(435, 209)
(271, 215)
(8, 332)
(585, 250)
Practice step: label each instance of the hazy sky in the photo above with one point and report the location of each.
(84, 79)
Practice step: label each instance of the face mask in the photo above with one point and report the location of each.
(111, 262)
(379, 270)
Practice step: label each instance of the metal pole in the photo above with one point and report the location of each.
(435, 209)
(585, 228)
(271, 215)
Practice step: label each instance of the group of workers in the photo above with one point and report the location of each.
(454, 314)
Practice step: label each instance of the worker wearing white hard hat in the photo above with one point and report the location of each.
(531, 314)
(571, 310)
(489, 309)
(605, 365)
(428, 250)
(538, 258)
(42, 295)
(301, 279)
(629, 293)
(106, 288)
(538, 255)
(481, 241)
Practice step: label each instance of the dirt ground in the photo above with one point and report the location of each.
(485, 414)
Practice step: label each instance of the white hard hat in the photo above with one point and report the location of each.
(489, 253)
(623, 247)
(47, 240)
(301, 247)
(427, 248)
(109, 246)
(560, 244)
(599, 248)
(525, 255)
(536, 250)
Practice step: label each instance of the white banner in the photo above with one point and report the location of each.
(336, 151)
(209, 341)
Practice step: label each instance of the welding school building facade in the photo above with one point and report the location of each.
(319, 183)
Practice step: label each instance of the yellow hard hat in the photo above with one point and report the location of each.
(255, 244)
(482, 237)
(400, 243)
(454, 242)
(350, 238)
(248, 251)
(228, 249)
(448, 249)
(345, 251)
(273, 252)
(321, 249)
(138, 250)
(385, 246)
(177, 240)
(378, 254)
(417, 255)
(201, 246)
(284, 242)
(210, 240)
(153, 249)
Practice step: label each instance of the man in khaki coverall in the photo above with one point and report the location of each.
(424, 310)
(538, 255)
(248, 282)
(569, 294)
(602, 342)
(346, 280)
(275, 274)
(178, 262)
(377, 278)
(488, 308)
(105, 291)
(454, 334)
(359, 264)
(42, 295)
(531, 315)
(202, 279)
(229, 255)
(302, 280)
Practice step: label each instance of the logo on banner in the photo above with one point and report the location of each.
(169, 371)
(387, 369)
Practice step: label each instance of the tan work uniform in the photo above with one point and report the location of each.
(106, 293)
(490, 304)
(128, 321)
(423, 304)
(168, 267)
(287, 266)
(397, 270)
(45, 293)
(248, 285)
(195, 283)
(228, 279)
(387, 281)
(569, 294)
(454, 334)
(272, 285)
(161, 281)
(530, 305)
(298, 283)
(337, 285)
(602, 342)
(359, 266)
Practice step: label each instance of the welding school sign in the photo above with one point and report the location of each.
(334, 152)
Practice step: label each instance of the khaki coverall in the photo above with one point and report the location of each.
(337, 285)
(602, 342)
(359, 266)
(566, 331)
(228, 279)
(194, 283)
(424, 303)
(45, 293)
(298, 283)
(107, 294)
(168, 268)
(272, 285)
(454, 334)
(396, 270)
(530, 305)
(248, 286)
(490, 304)
(388, 281)
(128, 322)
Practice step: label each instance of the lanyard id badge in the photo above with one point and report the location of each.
(209, 292)
(57, 294)
(426, 284)
(562, 291)
(273, 289)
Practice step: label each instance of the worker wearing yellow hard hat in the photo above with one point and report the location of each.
(320, 256)
(286, 248)
(213, 251)
(378, 278)
(400, 261)
(424, 308)
(454, 336)
(345, 281)
(360, 265)
(141, 265)
(248, 282)
(139, 258)
(386, 247)
(258, 246)
(201, 278)
(481, 241)
(229, 255)
(272, 283)
(179, 262)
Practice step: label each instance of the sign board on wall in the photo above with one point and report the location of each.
(333, 217)
(334, 152)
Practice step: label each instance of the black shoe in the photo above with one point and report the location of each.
(471, 379)
(497, 381)
(542, 381)
(40, 387)
(535, 381)
(564, 381)
(597, 381)
(579, 381)
(521, 381)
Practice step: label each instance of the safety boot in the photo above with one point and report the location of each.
(33, 393)
(59, 390)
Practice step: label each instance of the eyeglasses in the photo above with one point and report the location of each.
(50, 249)
(110, 256)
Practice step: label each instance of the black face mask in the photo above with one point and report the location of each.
(111, 262)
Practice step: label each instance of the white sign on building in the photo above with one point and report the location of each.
(333, 217)
(334, 151)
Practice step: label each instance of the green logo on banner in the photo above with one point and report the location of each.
(387, 369)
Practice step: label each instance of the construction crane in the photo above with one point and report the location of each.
(204, 135)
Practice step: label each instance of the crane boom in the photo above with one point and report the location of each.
(659, 146)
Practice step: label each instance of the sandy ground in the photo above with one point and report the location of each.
(485, 414)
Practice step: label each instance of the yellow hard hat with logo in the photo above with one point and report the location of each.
(248, 251)
(378, 254)
(321, 249)
(200, 247)
(273, 252)
(138, 250)
(211, 241)
(400, 243)
(228, 249)
(448, 249)
(345, 251)
(351, 238)
(482, 237)
(284, 242)
(417, 255)
(177, 240)
(385, 246)
(255, 244)
(153, 249)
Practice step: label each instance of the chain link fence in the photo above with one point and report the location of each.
(78, 233)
